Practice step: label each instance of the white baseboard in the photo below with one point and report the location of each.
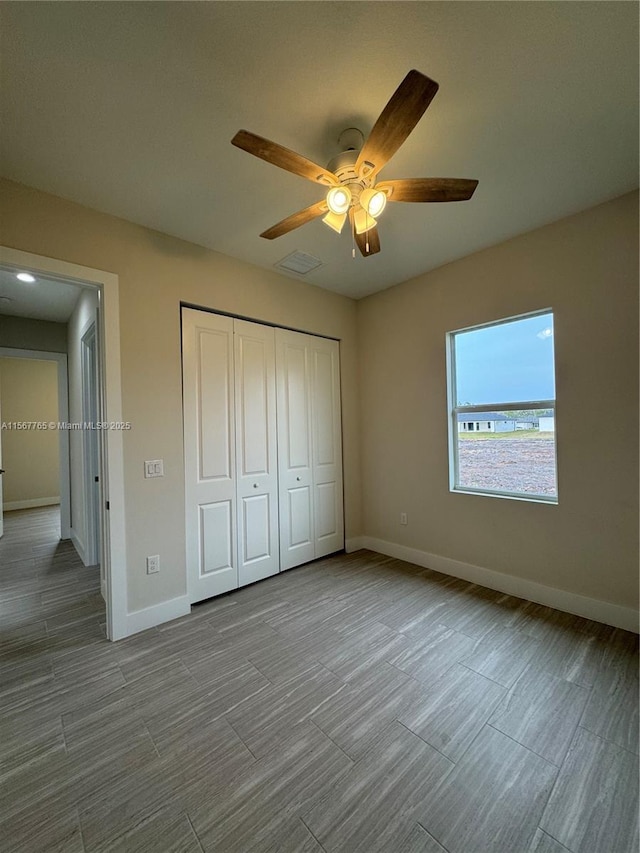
(33, 503)
(78, 544)
(354, 544)
(149, 617)
(569, 602)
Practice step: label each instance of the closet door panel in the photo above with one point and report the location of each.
(296, 406)
(216, 537)
(324, 399)
(208, 394)
(257, 541)
(256, 452)
(294, 449)
(326, 511)
(254, 375)
(213, 405)
(327, 446)
(300, 517)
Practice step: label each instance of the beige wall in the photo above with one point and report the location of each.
(29, 392)
(586, 269)
(156, 272)
(24, 333)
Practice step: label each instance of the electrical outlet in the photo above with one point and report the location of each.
(153, 564)
(403, 518)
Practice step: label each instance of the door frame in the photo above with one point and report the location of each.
(63, 436)
(113, 544)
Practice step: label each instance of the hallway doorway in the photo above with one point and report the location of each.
(64, 300)
(47, 595)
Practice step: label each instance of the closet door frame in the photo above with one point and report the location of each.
(228, 577)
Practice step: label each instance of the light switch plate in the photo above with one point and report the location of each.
(154, 468)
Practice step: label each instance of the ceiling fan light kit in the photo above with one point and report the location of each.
(373, 201)
(335, 220)
(339, 199)
(362, 221)
(351, 176)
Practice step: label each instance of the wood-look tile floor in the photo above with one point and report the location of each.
(357, 704)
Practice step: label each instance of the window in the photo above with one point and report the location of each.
(503, 372)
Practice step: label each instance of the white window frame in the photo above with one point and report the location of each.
(455, 410)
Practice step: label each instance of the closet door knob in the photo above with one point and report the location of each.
(298, 479)
(255, 485)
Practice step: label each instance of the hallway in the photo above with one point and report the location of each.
(48, 599)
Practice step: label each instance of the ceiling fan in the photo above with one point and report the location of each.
(351, 176)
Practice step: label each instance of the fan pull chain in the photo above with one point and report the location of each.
(353, 239)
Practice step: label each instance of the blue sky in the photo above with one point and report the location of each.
(509, 363)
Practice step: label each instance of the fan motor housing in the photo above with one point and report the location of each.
(344, 168)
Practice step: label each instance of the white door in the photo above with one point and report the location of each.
(90, 446)
(295, 459)
(209, 441)
(309, 447)
(1, 473)
(256, 452)
(326, 431)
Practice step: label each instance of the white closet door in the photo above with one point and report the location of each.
(210, 488)
(295, 458)
(326, 430)
(256, 452)
(309, 447)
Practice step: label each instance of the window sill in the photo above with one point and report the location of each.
(536, 499)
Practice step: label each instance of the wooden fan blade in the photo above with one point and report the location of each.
(429, 189)
(371, 239)
(282, 157)
(295, 220)
(397, 120)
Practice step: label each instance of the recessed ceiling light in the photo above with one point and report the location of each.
(26, 276)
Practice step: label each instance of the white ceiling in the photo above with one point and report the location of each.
(44, 299)
(129, 108)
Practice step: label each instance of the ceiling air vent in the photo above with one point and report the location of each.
(299, 262)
